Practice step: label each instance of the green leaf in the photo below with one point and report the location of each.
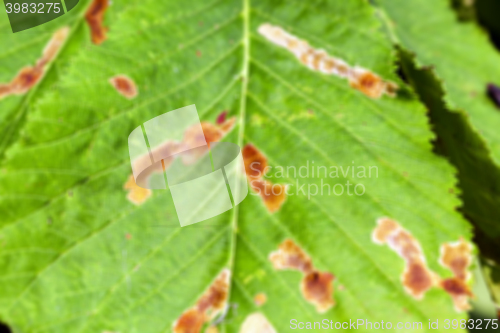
(24, 49)
(453, 63)
(77, 256)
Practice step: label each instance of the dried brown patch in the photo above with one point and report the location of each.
(359, 78)
(255, 162)
(260, 299)
(137, 195)
(256, 323)
(170, 149)
(291, 256)
(124, 85)
(221, 118)
(95, 17)
(28, 76)
(385, 227)
(457, 257)
(273, 195)
(212, 302)
(417, 278)
(212, 329)
(211, 132)
(53, 46)
(190, 321)
(368, 83)
(215, 297)
(316, 286)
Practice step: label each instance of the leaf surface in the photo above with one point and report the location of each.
(77, 256)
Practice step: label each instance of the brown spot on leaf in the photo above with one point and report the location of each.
(494, 93)
(190, 321)
(457, 257)
(211, 132)
(273, 195)
(385, 227)
(316, 286)
(459, 292)
(255, 162)
(359, 78)
(53, 46)
(212, 302)
(260, 299)
(221, 118)
(198, 53)
(368, 83)
(124, 85)
(417, 278)
(212, 329)
(28, 76)
(95, 17)
(256, 323)
(215, 297)
(317, 289)
(291, 256)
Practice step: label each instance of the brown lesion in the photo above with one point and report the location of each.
(385, 227)
(316, 286)
(457, 257)
(209, 305)
(211, 132)
(29, 76)
(136, 194)
(459, 291)
(124, 85)
(190, 321)
(273, 195)
(260, 299)
(256, 323)
(95, 17)
(417, 278)
(367, 82)
(291, 256)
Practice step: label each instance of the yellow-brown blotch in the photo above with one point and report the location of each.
(29, 76)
